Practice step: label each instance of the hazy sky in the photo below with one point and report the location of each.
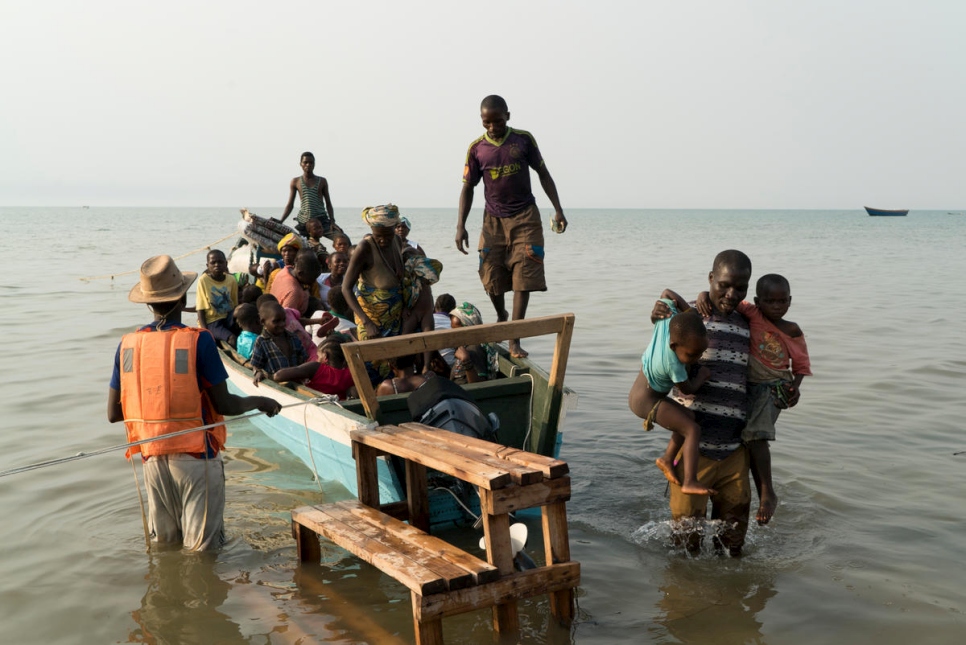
(643, 104)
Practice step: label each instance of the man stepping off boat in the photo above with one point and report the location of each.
(511, 241)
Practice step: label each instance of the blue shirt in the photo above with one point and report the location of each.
(659, 363)
(246, 342)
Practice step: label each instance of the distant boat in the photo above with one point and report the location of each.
(879, 211)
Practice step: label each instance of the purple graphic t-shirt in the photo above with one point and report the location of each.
(505, 171)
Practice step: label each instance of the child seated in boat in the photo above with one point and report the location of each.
(339, 308)
(246, 315)
(329, 375)
(276, 348)
(337, 263)
(217, 297)
(299, 325)
(444, 304)
(777, 364)
(250, 293)
(314, 242)
(676, 345)
(342, 244)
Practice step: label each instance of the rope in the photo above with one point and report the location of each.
(328, 398)
(526, 437)
(138, 270)
(144, 516)
(125, 446)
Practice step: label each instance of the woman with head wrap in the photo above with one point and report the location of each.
(474, 362)
(373, 282)
(288, 247)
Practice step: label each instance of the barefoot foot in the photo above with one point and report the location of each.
(668, 469)
(766, 508)
(516, 351)
(503, 316)
(695, 488)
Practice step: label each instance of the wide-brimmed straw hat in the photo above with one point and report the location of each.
(161, 281)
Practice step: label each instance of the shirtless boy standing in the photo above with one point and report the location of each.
(511, 241)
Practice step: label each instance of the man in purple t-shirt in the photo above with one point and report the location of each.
(511, 241)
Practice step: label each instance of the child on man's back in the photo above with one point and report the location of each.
(677, 343)
(777, 364)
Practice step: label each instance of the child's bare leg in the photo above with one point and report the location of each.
(680, 420)
(666, 461)
(760, 454)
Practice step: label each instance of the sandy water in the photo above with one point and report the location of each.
(867, 546)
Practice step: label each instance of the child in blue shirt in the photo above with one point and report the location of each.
(246, 315)
(677, 343)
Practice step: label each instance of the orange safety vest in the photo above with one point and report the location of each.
(160, 392)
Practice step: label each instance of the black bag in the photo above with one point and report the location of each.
(443, 404)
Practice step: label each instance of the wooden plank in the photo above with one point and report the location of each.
(439, 439)
(367, 474)
(561, 354)
(556, 544)
(418, 495)
(398, 510)
(499, 553)
(380, 528)
(411, 574)
(514, 498)
(482, 571)
(357, 367)
(523, 584)
(385, 348)
(550, 467)
(428, 632)
(306, 543)
(452, 464)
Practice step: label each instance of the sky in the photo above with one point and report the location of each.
(635, 104)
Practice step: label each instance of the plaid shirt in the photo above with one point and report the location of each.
(268, 357)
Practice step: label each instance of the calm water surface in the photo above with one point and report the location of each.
(868, 545)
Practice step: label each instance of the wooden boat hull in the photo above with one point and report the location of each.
(318, 433)
(878, 212)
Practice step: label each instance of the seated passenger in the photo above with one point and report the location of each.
(405, 376)
(246, 315)
(314, 242)
(329, 375)
(472, 363)
(217, 296)
(337, 263)
(276, 348)
(444, 304)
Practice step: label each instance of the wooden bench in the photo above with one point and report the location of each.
(444, 580)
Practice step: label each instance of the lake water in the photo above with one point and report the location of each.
(868, 544)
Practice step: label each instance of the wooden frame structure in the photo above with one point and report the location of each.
(385, 348)
(442, 579)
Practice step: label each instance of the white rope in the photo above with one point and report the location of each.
(526, 437)
(326, 398)
(459, 501)
(144, 517)
(125, 446)
(183, 255)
